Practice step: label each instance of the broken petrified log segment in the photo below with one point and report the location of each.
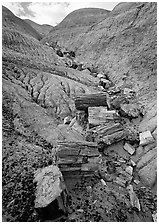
(100, 115)
(77, 149)
(97, 115)
(78, 156)
(112, 138)
(129, 110)
(50, 185)
(108, 129)
(90, 100)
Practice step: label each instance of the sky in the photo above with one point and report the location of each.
(51, 12)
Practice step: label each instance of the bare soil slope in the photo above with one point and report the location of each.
(43, 29)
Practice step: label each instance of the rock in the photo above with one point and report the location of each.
(128, 92)
(100, 76)
(121, 160)
(129, 170)
(129, 110)
(80, 122)
(133, 198)
(132, 163)
(136, 182)
(50, 185)
(105, 83)
(148, 174)
(67, 120)
(146, 138)
(103, 182)
(129, 148)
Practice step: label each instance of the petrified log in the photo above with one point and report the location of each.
(97, 115)
(91, 100)
(82, 148)
(110, 139)
(77, 156)
(107, 130)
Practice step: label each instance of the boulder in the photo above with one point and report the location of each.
(50, 185)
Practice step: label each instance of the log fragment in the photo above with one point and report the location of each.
(82, 157)
(91, 100)
(107, 130)
(100, 115)
(112, 138)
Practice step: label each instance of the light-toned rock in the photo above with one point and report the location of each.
(146, 138)
(129, 170)
(49, 185)
(129, 148)
(100, 76)
(133, 198)
(67, 120)
(136, 181)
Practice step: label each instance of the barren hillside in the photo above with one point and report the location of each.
(42, 29)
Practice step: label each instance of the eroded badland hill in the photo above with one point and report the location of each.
(50, 73)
